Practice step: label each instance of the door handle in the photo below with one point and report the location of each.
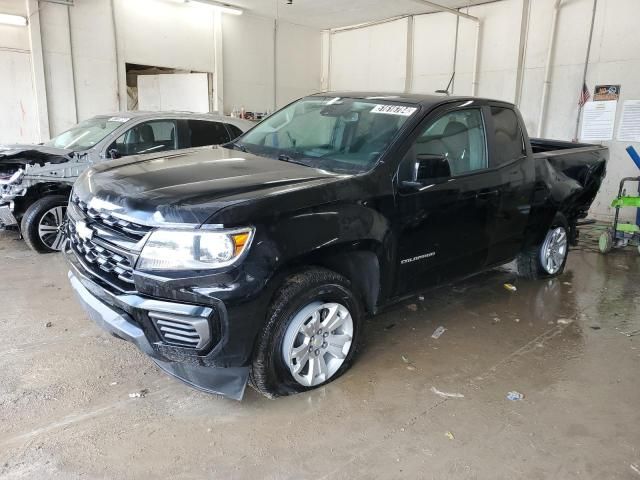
(487, 194)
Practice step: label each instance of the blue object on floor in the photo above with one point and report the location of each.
(636, 159)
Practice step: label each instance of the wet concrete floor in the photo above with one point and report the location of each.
(570, 345)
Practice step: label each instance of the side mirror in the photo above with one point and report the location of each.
(428, 168)
(431, 167)
(114, 153)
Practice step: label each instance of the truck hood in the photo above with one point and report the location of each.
(190, 187)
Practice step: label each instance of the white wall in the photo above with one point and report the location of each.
(374, 58)
(166, 34)
(248, 55)
(58, 63)
(298, 62)
(94, 58)
(433, 61)
(85, 49)
(18, 122)
(253, 48)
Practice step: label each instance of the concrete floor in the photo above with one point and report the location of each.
(65, 410)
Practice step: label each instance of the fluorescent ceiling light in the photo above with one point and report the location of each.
(221, 7)
(17, 20)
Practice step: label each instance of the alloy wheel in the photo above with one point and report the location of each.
(554, 250)
(317, 342)
(50, 228)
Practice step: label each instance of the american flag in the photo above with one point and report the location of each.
(584, 95)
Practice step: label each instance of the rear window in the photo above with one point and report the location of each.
(203, 133)
(509, 143)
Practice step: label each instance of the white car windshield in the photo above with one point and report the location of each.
(86, 134)
(332, 133)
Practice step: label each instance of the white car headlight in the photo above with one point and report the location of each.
(193, 249)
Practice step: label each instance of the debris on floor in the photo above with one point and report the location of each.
(515, 396)
(446, 394)
(510, 287)
(141, 394)
(595, 327)
(495, 320)
(564, 321)
(517, 320)
(48, 324)
(413, 307)
(635, 468)
(410, 365)
(421, 298)
(390, 326)
(438, 332)
(449, 435)
(566, 283)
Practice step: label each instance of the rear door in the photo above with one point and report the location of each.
(201, 133)
(444, 226)
(512, 160)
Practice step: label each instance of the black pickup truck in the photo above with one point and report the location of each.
(255, 262)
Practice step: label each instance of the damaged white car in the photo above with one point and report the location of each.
(36, 180)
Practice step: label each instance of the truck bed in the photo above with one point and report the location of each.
(543, 145)
(582, 162)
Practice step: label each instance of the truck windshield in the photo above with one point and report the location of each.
(86, 134)
(336, 134)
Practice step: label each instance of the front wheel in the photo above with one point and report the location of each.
(550, 257)
(310, 336)
(42, 224)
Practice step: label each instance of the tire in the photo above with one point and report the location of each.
(41, 222)
(605, 242)
(530, 261)
(300, 296)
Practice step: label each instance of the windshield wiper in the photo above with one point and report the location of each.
(286, 158)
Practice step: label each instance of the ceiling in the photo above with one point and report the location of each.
(324, 14)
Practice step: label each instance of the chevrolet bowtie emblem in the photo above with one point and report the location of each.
(84, 232)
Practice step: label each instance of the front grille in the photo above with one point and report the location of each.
(129, 229)
(102, 260)
(182, 330)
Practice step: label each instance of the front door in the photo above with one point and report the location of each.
(443, 223)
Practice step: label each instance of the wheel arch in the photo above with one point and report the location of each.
(38, 191)
(358, 262)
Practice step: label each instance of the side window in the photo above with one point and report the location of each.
(203, 133)
(235, 131)
(458, 136)
(147, 137)
(509, 143)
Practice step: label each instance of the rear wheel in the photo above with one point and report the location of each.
(42, 224)
(310, 336)
(550, 257)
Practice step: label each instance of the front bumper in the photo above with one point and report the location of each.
(227, 381)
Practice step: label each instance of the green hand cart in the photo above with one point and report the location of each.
(621, 234)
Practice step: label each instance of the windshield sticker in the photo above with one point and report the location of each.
(119, 119)
(394, 110)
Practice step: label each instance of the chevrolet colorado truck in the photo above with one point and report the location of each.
(35, 180)
(255, 262)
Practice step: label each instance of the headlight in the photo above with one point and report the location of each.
(193, 249)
